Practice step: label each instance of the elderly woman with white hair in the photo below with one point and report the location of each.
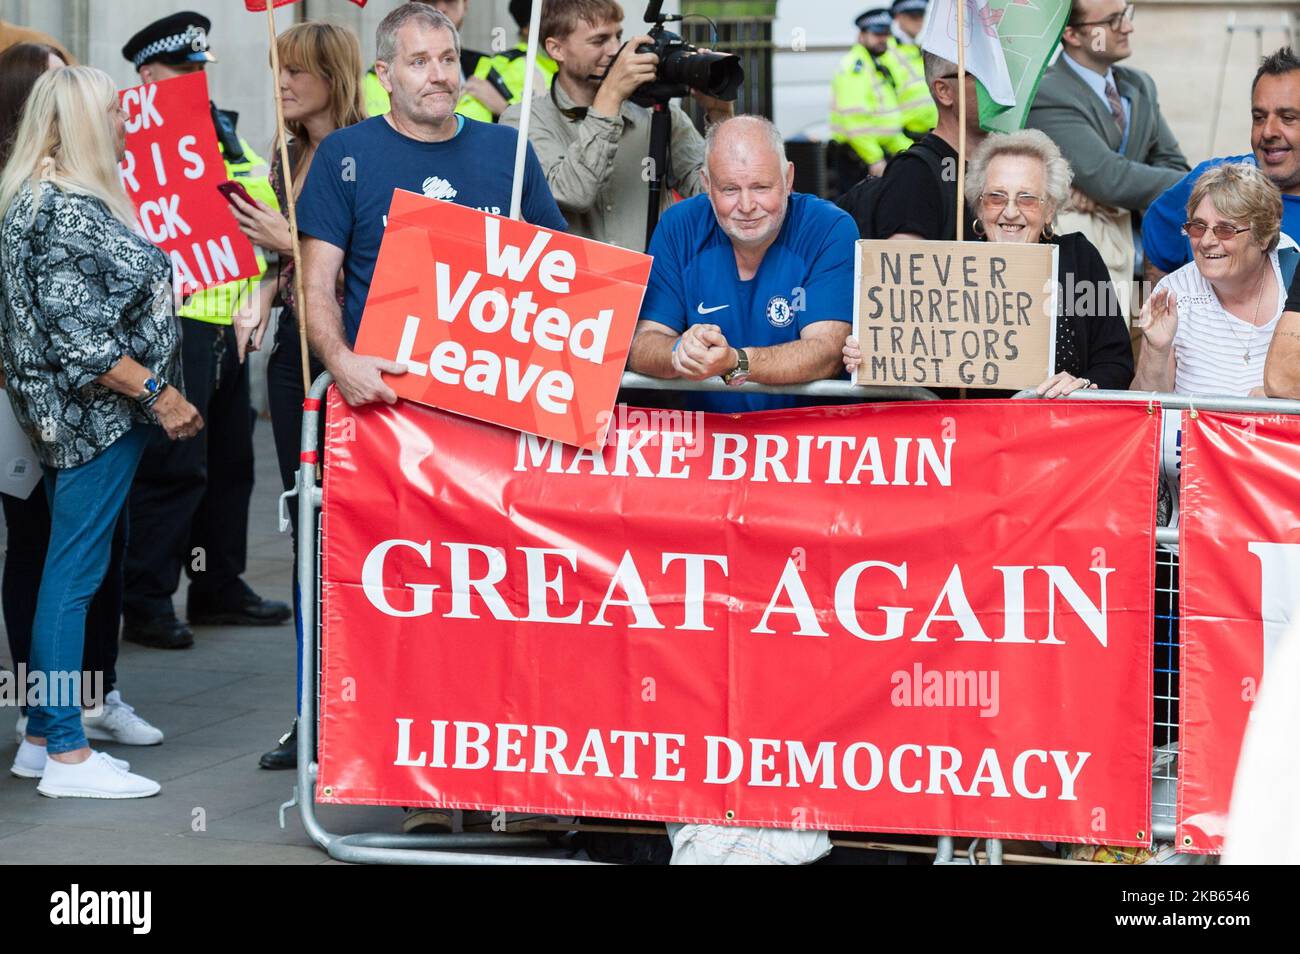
(1208, 326)
(1015, 184)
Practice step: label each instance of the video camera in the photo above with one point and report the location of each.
(683, 67)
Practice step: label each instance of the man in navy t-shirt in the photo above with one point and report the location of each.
(422, 145)
(750, 282)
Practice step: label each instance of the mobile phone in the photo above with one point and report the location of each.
(230, 189)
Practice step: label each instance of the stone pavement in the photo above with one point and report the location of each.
(221, 704)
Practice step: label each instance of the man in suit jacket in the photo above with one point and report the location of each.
(1107, 121)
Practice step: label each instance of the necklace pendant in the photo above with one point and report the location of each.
(1246, 357)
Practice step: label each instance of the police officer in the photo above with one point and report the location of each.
(513, 63)
(907, 68)
(865, 119)
(486, 93)
(189, 501)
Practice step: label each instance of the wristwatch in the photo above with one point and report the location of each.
(740, 373)
(152, 388)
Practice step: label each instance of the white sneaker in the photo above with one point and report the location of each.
(119, 723)
(31, 758)
(97, 777)
(20, 728)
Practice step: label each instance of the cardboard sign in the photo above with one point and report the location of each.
(501, 320)
(512, 624)
(171, 172)
(955, 314)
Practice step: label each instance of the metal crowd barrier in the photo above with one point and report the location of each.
(1164, 759)
(472, 848)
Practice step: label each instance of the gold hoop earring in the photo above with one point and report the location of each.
(978, 227)
(1049, 233)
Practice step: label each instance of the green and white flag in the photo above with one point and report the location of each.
(1029, 32)
(984, 58)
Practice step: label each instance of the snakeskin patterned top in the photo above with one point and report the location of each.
(78, 292)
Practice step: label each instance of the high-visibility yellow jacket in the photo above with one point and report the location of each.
(373, 92)
(217, 305)
(480, 65)
(512, 65)
(864, 110)
(906, 66)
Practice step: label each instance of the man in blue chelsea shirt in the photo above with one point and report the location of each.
(751, 281)
(420, 146)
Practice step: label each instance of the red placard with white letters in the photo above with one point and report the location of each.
(501, 320)
(920, 618)
(171, 172)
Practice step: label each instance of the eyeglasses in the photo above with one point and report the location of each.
(1196, 230)
(1114, 22)
(1025, 201)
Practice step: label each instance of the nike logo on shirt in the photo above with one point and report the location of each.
(708, 311)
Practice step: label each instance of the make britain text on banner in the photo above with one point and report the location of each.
(920, 618)
(1240, 559)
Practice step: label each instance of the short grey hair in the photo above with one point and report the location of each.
(936, 67)
(774, 137)
(1242, 193)
(1031, 143)
(386, 34)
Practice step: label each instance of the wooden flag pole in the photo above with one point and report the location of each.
(287, 173)
(961, 115)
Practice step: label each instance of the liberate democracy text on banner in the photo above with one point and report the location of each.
(1240, 557)
(171, 172)
(919, 618)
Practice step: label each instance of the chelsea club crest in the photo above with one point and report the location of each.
(778, 312)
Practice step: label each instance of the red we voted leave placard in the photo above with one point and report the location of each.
(501, 320)
(171, 172)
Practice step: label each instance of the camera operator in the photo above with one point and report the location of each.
(592, 140)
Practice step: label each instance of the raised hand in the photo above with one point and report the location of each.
(1159, 319)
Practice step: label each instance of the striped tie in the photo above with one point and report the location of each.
(1116, 105)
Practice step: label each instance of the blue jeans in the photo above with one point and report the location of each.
(85, 502)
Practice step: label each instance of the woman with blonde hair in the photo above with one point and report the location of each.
(320, 83)
(28, 520)
(89, 344)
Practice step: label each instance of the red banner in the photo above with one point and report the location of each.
(918, 618)
(171, 172)
(501, 320)
(1240, 559)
